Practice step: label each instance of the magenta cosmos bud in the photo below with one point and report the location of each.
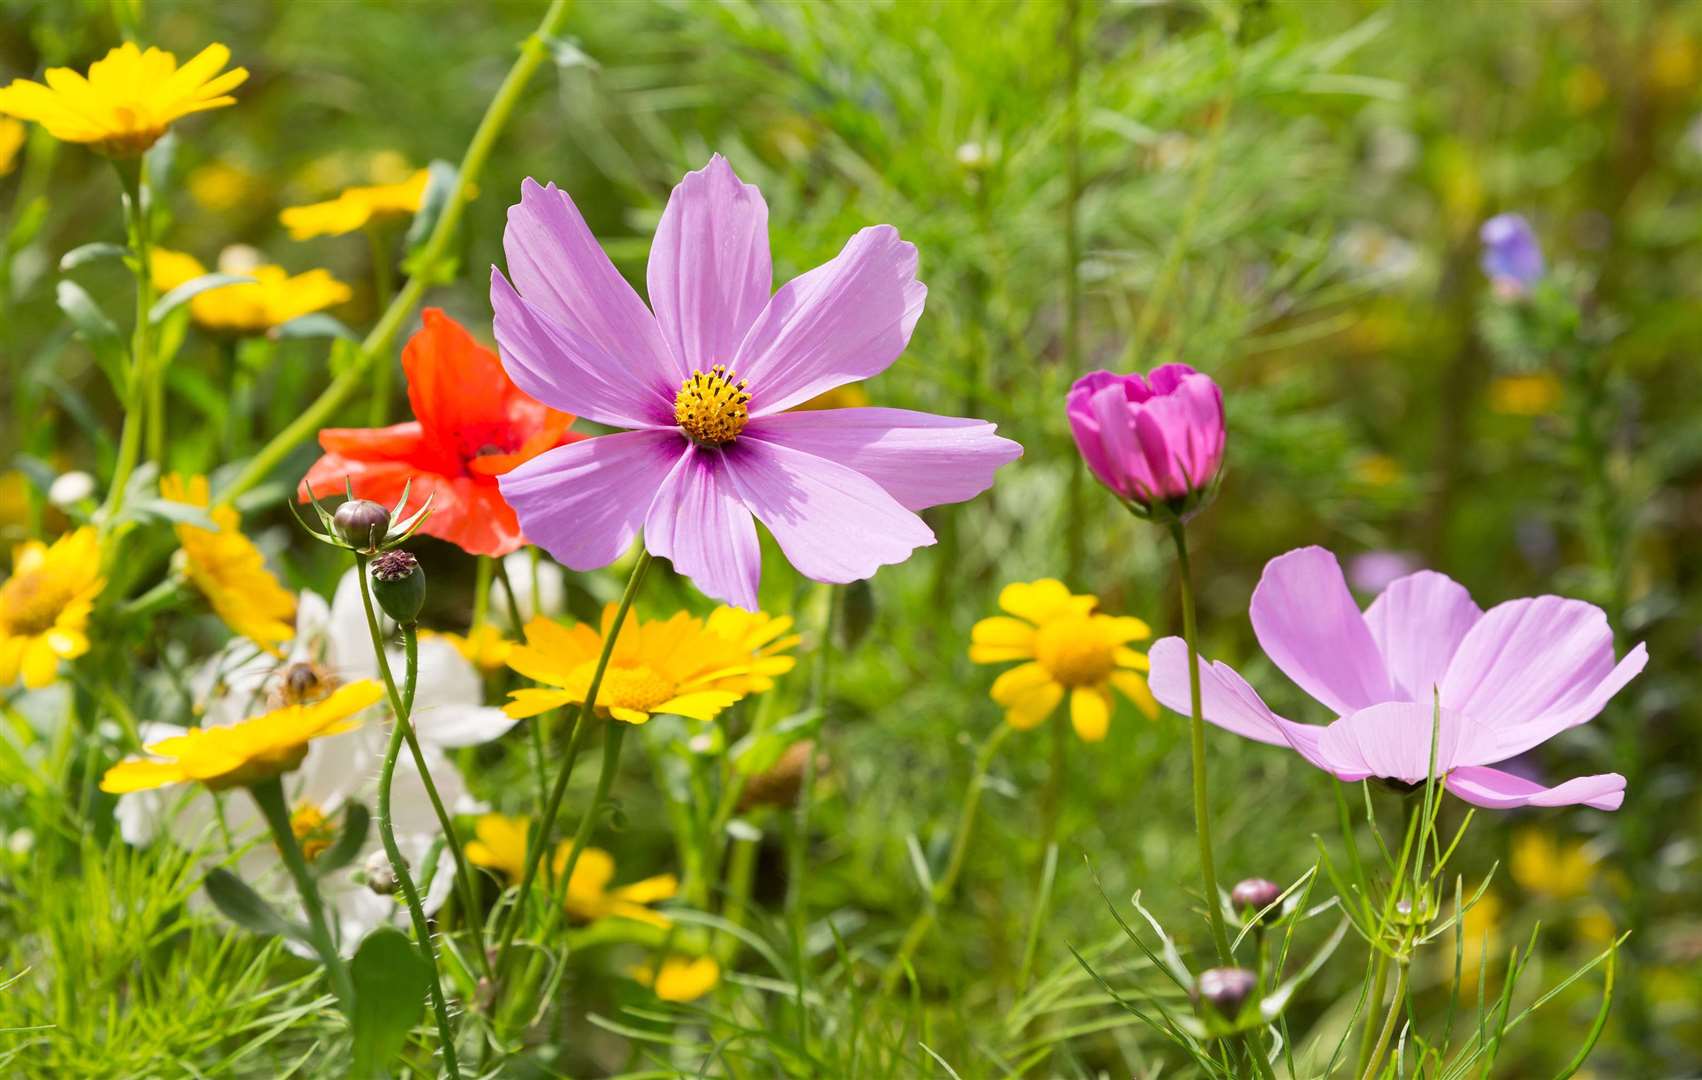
(1155, 441)
(1254, 895)
(1225, 989)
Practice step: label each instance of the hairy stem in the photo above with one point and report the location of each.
(269, 796)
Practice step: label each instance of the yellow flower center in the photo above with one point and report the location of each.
(626, 686)
(312, 830)
(1074, 651)
(711, 408)
(30, 604)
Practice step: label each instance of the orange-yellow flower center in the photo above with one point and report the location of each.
(30, 604)
(625, 686)
(1074, 651)
(710, 408)
(313, 831)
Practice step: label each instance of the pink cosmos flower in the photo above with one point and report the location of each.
(1508, 679)
(1154, 440)
(704, 385)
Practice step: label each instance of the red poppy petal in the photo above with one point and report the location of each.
(373, 444)
(380, 481)
(454, 383)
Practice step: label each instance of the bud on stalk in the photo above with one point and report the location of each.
(399, 585)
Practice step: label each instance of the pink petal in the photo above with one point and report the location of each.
(921, 460)
(1527, 658)
(569, 372)
(1483, 786)
(1510, 741)
(1124, 451)
(847, 319)
(1307, 622)
(698, 523)
(1225, 700)
(1417, 623)
(558, 266)
(1393, 741)
(583, 502)
(709, 270)
(834, 524)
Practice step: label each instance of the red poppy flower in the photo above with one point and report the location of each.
(472, 424)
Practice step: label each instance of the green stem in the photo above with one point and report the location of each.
(947, 882)
(1388, 1031)
(536, 727)
(269, 796)
(540, 836)
(137, 393)
(1197, 745)
(1051, 804)
(387, 828)
(533, 51)
(613, 736)
(403, 706)
(383, 288)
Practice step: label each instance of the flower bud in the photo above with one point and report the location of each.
(361, 524)
(1225, 990)
(399, 585)
(1511, 259)
(1254, 895)
(380, 875)
(1157, 442)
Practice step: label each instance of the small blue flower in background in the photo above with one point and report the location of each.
(1511, 256)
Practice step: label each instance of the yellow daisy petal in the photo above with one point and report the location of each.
(1090, 712)
(1032, 709)
(1136, 690)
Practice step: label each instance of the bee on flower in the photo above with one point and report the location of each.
(128, 99)
(45, 606)
(1068, 648)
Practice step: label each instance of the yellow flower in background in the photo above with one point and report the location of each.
(680, 978)
(272, 299)
(849, 396)
(355, 207)
(483, 646)
(1525, 395)
(1480, 931)
(1585, 88)
(219, 186)
(1069, 648)
(499, 843)
(230, 571)
(128, 100)
(764, 637)
(245, 753)
(674, 666)
(590, 898)
(1378, 471)
(11, 141)
(1541, 864)
(45, 605)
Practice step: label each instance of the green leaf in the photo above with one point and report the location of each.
(181, 295)
(566, 53)
(357, 822)
(98, 332)
(391, 982)
(88, 253)
(176, 513)
(317, 325)
(243, 906)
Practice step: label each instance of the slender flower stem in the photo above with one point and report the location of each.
(540, 836)
(138, 394)
(612, 739)
(1388, 1031)
(429, 261)
(947, 883)
(383, 288)
(269, 796)
(518, 629)
(1051, 808)
(1197, 745)
(403, 706)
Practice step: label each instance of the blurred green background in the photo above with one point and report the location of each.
(1283, 194)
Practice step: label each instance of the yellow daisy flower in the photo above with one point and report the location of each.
(11, 141)
(272, 299)
(764, 637)
(500, 844)
(355, 207)
(1069, 647)
(671, 666)
(128, 99)
(230, 571)
(246, 753)
(1525, 395)
(45, 605)
(680, 978)
(1540, 864)
(483, 646)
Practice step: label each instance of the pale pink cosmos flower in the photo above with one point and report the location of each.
(1507, 679)
(704, 385)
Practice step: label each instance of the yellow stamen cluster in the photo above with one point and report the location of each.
(711, 407)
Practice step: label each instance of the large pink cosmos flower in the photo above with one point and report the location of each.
(1507, 679)
(705, 383)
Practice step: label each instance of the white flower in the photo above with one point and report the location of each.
(552, 587)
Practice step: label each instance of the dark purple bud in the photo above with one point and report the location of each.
(1512, 259)
(361, 524)
(1254, 895)
(1225, 989)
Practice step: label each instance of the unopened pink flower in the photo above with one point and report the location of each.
(1507, 679)
(704, 385)
(1154, 441)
